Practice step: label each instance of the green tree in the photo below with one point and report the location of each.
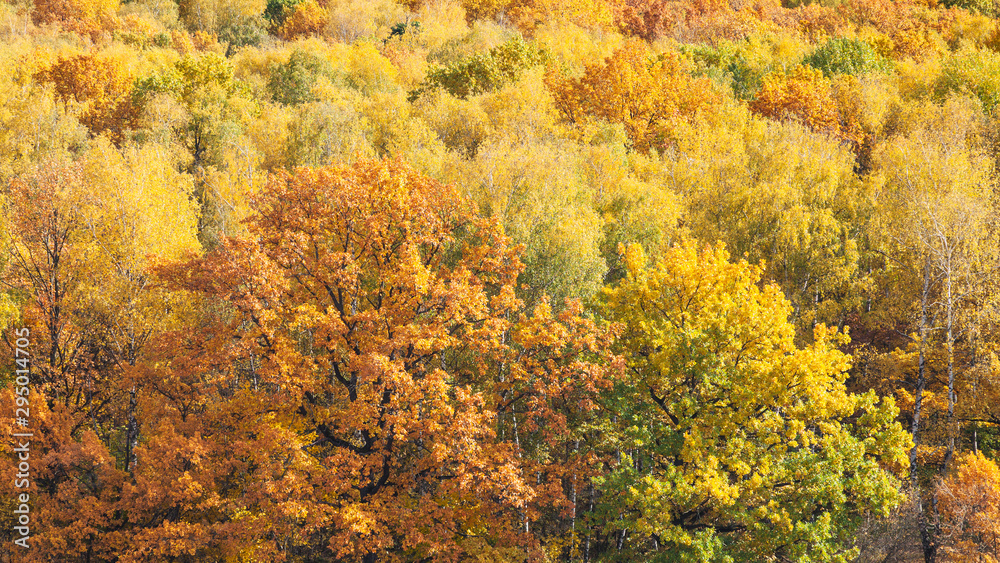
(485, 72)
(215, 108)
(291, 83)
(846, 56)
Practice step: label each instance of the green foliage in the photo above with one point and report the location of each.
(244, 32)
(972, 72)
(726, 63)
(847, 56)
(485, 72)
(291, 83)
(743, 64)
(402, 28)
(191, 76)
(278, 10)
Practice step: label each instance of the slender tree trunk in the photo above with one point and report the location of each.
(918, 395)
(950, 321)
(927, 538)
(132, 432)
(573, 551)
(586, 546)
(517, 447)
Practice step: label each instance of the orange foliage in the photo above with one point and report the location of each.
(969, 501)
(308, 18)
(102, 84)
(651, 97)
(88, 17)
(700, 21)
(649, 19)
(816, 21)
(366, 389)
(803, 95)
(910, 26)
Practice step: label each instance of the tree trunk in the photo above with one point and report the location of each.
(950, 306)
(927, 537)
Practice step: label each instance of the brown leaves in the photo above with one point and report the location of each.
(90, 17)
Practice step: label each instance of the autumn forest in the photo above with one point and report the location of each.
(499, 281)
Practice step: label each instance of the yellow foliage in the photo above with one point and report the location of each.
(164, 13)
(590, 14)
(462, 125)
(484, 9)
(719, 390)
(441, 21)
(779, 194)
(531, 188)
(351, 20)
(34, 125)
(524, 110)
(576, 46)
(209, 15)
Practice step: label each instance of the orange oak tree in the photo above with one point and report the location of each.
(649, 95)
(363, 381)
(102, 85)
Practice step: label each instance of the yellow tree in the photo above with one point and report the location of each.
(79, 255)
(783, 195)
(933, 229)
(741, 445)
(27, 136)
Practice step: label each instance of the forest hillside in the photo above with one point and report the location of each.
(499, 281)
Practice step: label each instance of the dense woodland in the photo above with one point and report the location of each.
(502, 280)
